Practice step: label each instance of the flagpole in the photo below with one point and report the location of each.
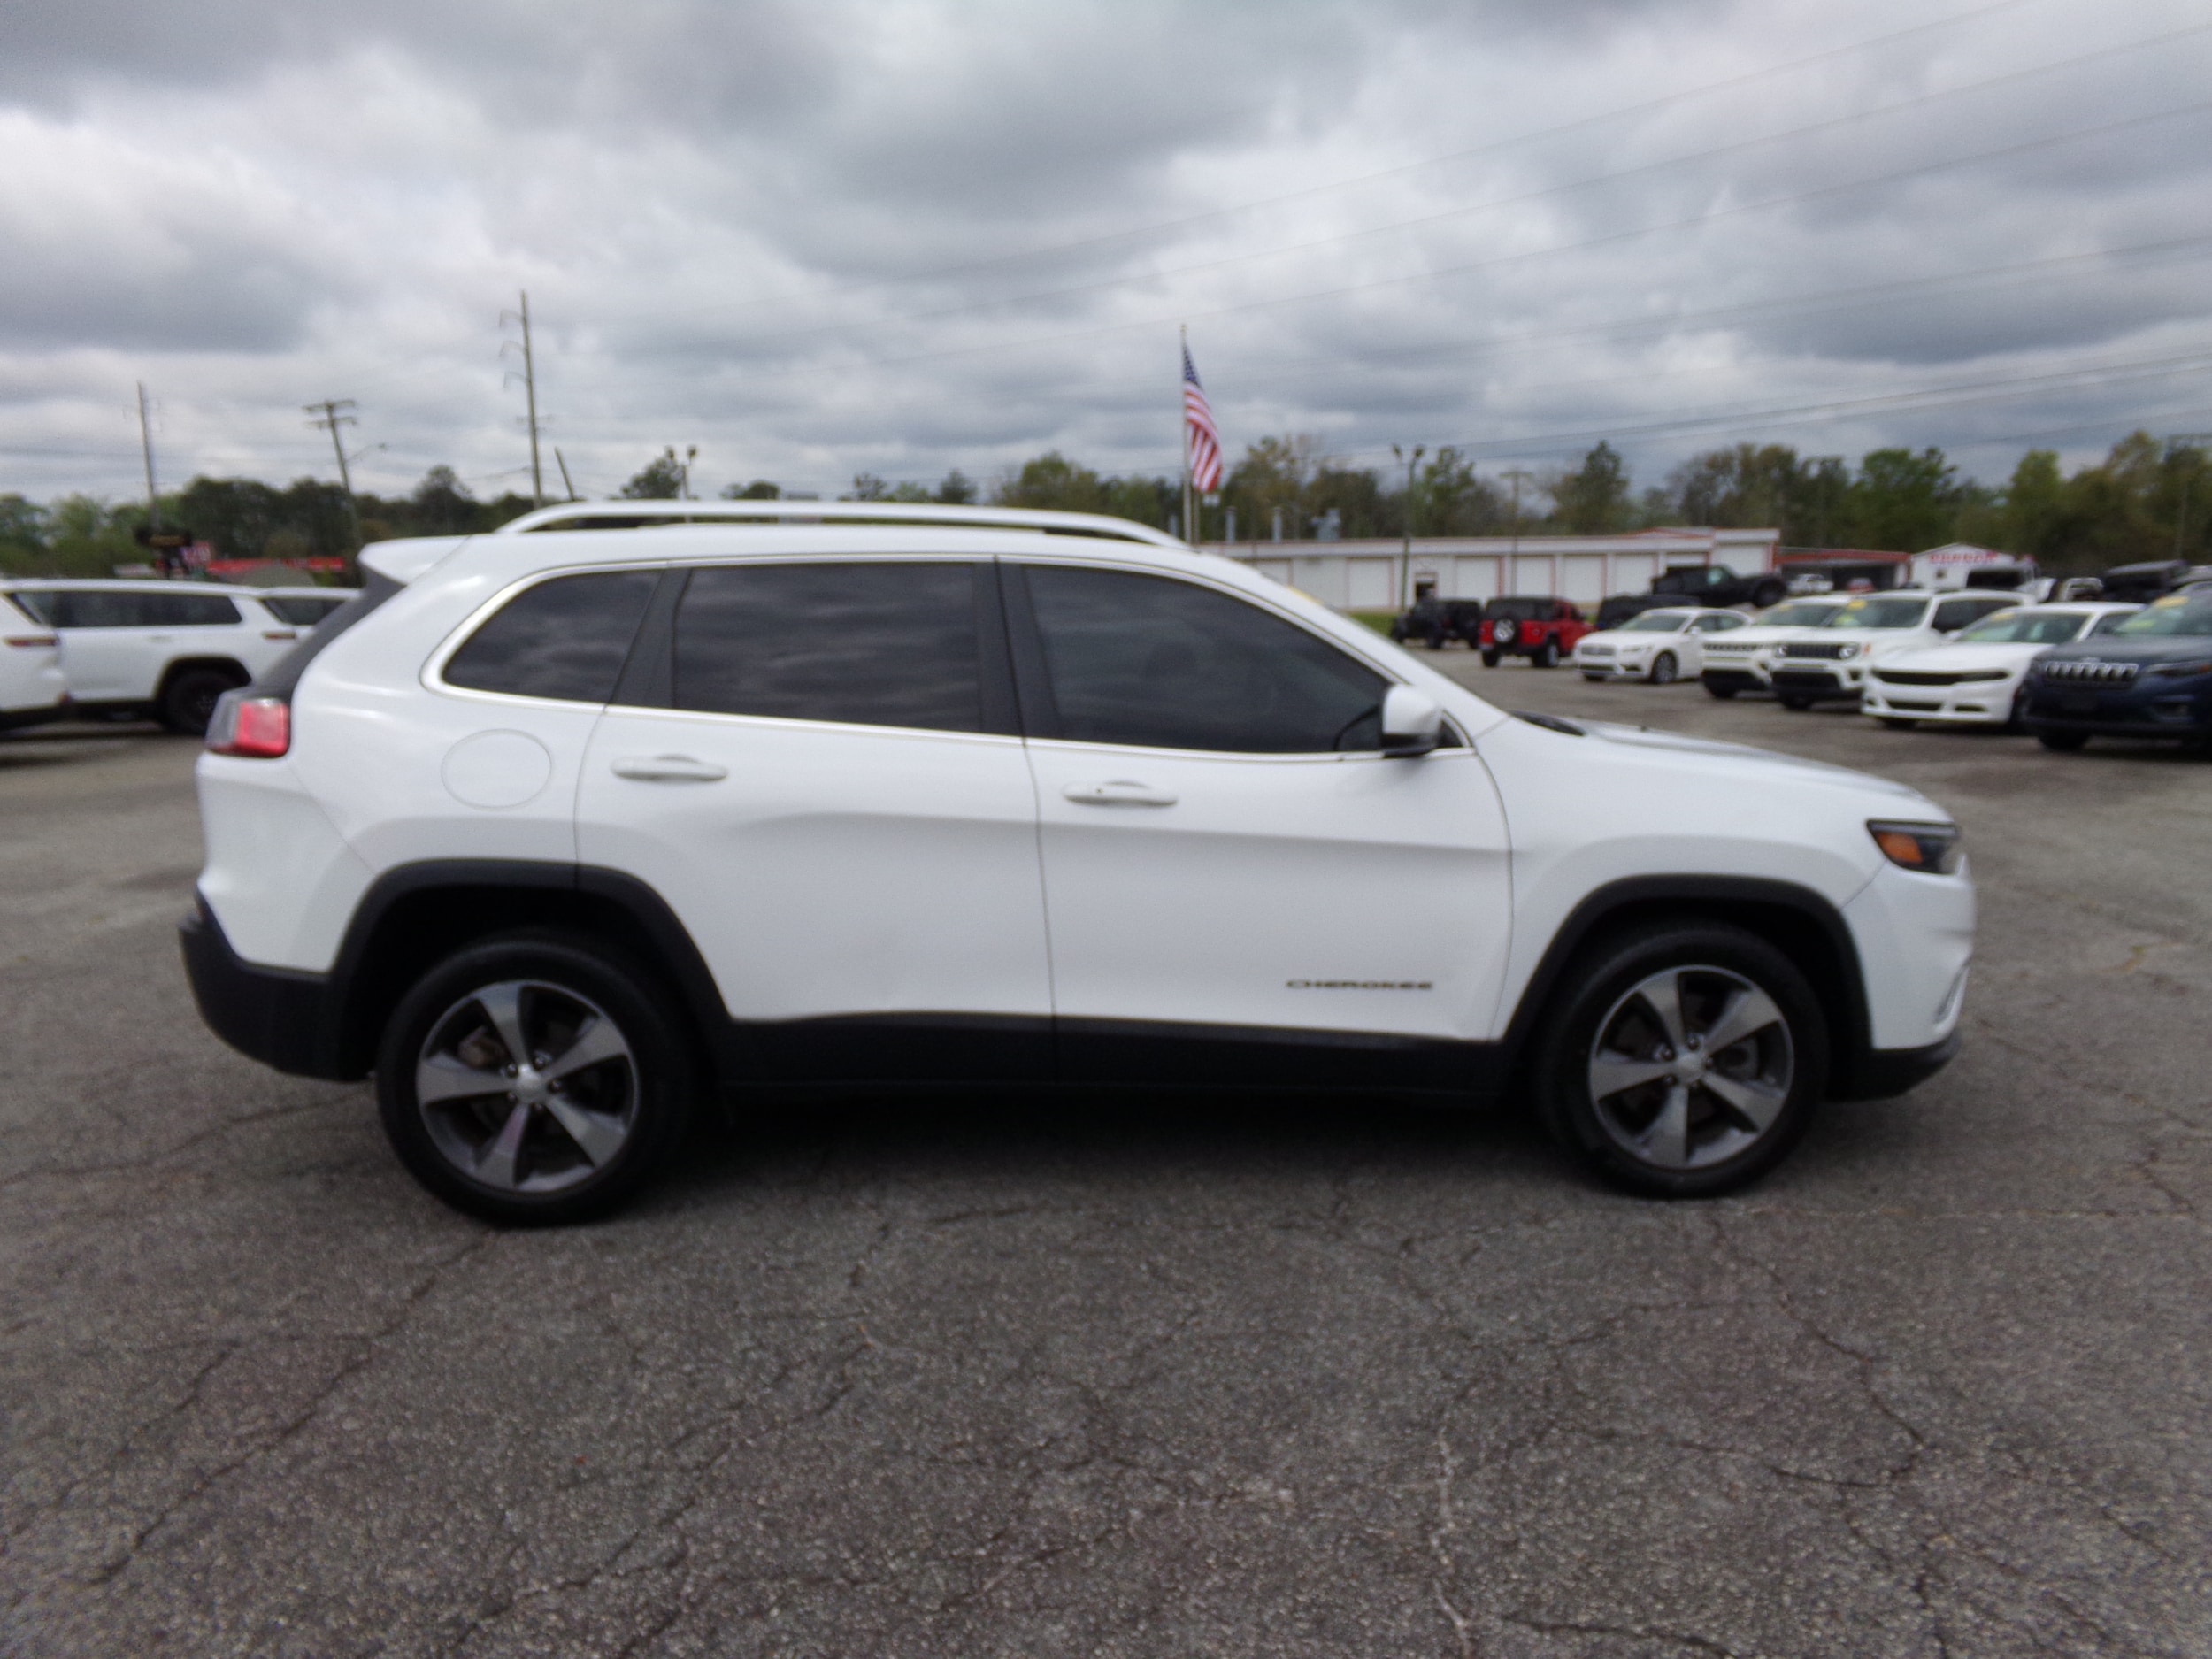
(1182, 416)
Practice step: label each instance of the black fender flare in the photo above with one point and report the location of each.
(1838, 977)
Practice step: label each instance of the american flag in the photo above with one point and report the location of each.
(1202, 439)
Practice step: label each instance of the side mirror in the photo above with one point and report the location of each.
(1412, 724)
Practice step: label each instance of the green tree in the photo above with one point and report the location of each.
(955, 489)
(760, 489)
(1051, 482)
(661, 479)
(22, 536)
(1593, 499)
(87, 537)
(1904, 501)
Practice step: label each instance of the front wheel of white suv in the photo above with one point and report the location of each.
(532, 1080)
(1685, 1060)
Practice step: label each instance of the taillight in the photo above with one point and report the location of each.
(259, 727)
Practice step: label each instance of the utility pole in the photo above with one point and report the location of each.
(1519, 475)
(1405, 557)
(691, 454)
(530, 395)
(565, 485)
(146, 448)
(333, 420)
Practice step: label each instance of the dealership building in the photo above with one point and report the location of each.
(1387, 576)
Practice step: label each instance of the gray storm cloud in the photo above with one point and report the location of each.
(911, 236)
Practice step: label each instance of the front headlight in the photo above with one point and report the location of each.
(2183, 671)
(1847, 650)
(1933, 849)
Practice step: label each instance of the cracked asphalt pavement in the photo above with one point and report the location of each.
(1168, 1378)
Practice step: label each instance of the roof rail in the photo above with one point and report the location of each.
(629, 514)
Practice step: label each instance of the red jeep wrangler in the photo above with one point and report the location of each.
(1542, 630)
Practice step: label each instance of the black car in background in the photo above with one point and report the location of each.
(1436, 622)
(2151, 676)
(1618, 608)
(1718, 586)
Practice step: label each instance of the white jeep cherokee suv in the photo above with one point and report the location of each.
(167, 649)
(558, 825)
(1743, 660)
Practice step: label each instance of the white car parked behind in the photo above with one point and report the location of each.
(1831, 664)
(165, 648)
(1658, 646)
(1743, 660)
(31, 684)
(1974, 678)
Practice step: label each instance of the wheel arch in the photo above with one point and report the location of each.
(415, 914)
(1796, 920)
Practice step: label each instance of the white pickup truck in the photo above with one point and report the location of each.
(165, 648)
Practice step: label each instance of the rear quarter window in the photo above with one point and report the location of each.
(565, 640)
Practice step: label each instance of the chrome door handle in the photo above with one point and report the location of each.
(669, 769)
(1121, 792)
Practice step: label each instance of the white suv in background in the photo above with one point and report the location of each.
(1743, 660)
(558, 825)
(165, 648)
(1657, 646)
(1975, 677)
(1831, 664)
(31, 684)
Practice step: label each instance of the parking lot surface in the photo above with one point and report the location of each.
(1170, 1377)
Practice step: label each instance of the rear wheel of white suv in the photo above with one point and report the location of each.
(1685, 1059)
(532, 1080)
(187, 701)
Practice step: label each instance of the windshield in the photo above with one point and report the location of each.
(2024, 627)
(2174, 614)
(1881, 613)
(1799, 615)
(1656, 622)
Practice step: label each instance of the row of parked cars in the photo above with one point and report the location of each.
(2067, 671)
(134, 649)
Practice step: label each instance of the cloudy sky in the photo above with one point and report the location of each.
(902, 235)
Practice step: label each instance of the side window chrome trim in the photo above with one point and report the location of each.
(787, 721)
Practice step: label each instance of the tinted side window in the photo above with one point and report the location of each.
(1165, 664)
(300, 610)
(96, 608)
(565, 638)
(194, 611)
(861, 645)
(1959, 613)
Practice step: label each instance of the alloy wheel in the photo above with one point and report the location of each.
(1690, 1067)
(527, 1086)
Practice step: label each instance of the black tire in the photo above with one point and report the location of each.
(2064, 742)
(637, 1103)
(1780, 1065)
(187, 701)
(1897, 724)
(1663, 669)
(1490, 659)
(1724, 692)
(1546, 655)
(1770, 592)
(1793, 703)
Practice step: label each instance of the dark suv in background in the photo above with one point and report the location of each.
(1717, 586)
(1436, 622)
(2151, 676)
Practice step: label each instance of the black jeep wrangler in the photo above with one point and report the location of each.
(1436, 622)
(1718, 586)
